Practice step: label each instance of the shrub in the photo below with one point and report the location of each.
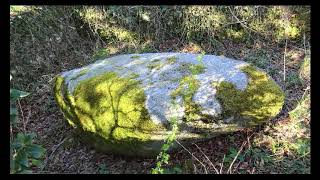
(23, 152)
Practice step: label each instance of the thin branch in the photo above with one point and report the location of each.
(208, 159)
(249, 147)
(235, 158)
(192, 156)
(241, 22)
(222, 164)
(284, 62)
(304, 43)
(53, 151)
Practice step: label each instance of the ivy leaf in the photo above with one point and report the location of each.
(36, 162)
(16, 145)
(28, 138)
(165, 158)
(35, 151)
(165, 147)
(15, 94)
(22, 158)
(233, 151)
(20, 138)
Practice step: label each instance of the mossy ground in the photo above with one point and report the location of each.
(110, 107)
(261, 100)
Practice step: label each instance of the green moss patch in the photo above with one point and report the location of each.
(109, 106)
(172, 60)
(193, 69)
(59, 90)
(196, 68)
(187, 88)
(260, 101)
(155, 64)
(135, 57)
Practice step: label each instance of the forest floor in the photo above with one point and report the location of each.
(280, 146)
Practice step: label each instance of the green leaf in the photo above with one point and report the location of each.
(165, 147)
(158, 164)
(233, 151)
(154, 171)
(20, 138)
(22, 158)
(35, 151)
(29, 137)
(13, 111)
(36, 162)
(16, 145)
(15, 94)
(165, 158)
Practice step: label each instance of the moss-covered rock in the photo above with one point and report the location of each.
(122, 104)
(259, 102)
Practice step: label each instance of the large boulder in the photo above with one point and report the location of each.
(124, 104)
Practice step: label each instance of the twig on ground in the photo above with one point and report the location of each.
(235, 158)
(194, 169)
(55, 147)
(205, 169)
(304, 43)
(221, 166)
(243, 144)
(284, 62)
(305, 90)
(207, 159)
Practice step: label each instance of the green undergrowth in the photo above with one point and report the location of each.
(100, 54)
(163, 156)
(287, 143)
